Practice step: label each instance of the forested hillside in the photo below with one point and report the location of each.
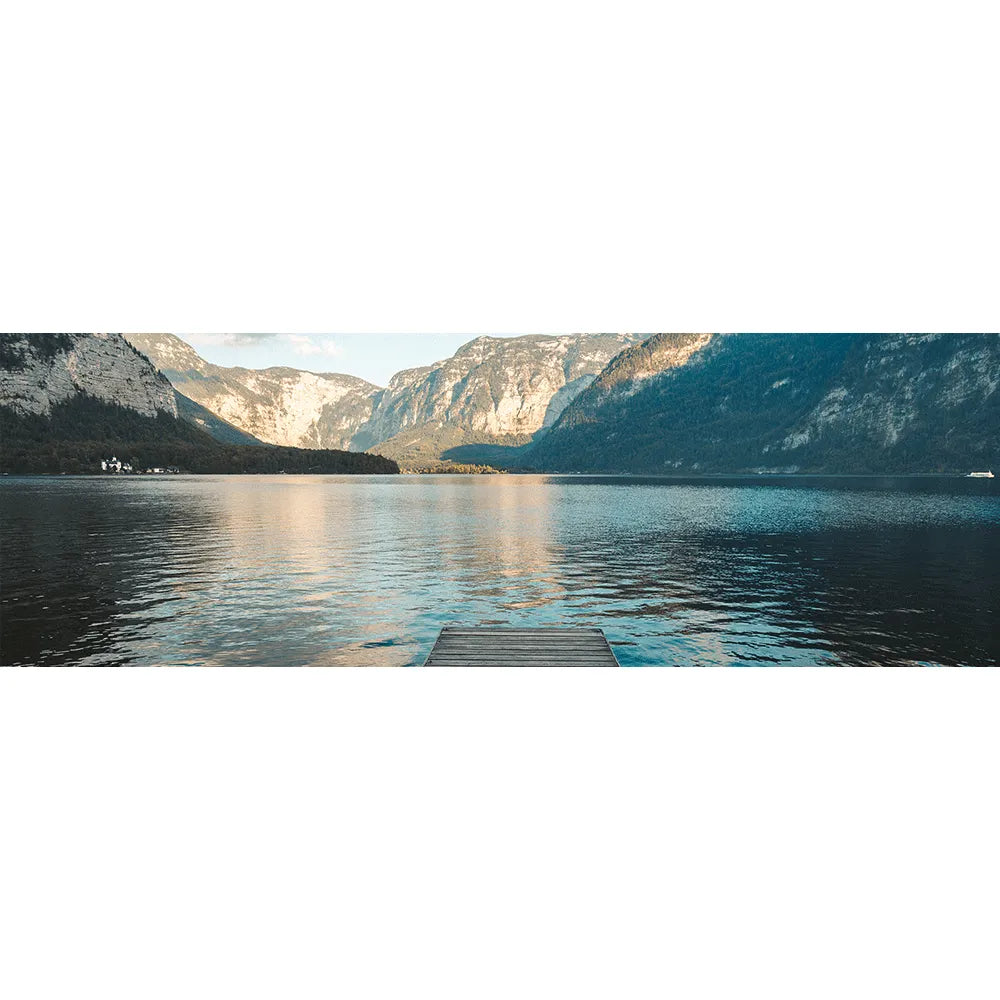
(837, 403)
(79, 432)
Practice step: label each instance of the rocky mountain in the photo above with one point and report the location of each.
(206, 420)
(837, 403)
(39, 370)
(672, 403)
(278, 405)
(626, 372)
(493, 390)
(69, 400)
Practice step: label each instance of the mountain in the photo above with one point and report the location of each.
(835, 403)
(39, 370)
(625, 373)
(69, 400)
(672, 403)
(492, 391)
(42, 369)
(277, 405)
(206, 420)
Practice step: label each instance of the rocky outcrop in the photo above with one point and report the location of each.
(625, 373)
(895, 383)
(278, 405)
(202, 418)
(491, 389)
(41, 369)
(837, 403)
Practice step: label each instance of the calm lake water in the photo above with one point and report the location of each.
(289, 570)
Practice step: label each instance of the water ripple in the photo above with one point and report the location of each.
(341, 570)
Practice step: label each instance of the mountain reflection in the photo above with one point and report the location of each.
(325, 571)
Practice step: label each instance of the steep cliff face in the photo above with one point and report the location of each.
(202, 418)
(277, 405)
(894, 387)
(38, 371)
(864, 403)
(68, 401)
(492, 389)
(626, 372)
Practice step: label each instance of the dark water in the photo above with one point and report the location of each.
(342, 570)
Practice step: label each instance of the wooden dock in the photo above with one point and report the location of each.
(489, 646)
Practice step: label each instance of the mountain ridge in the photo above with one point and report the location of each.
(672, 403)
(67, 401)
(277, 405)
(493, 389)
(834, 403)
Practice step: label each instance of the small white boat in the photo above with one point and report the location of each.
(980, 475)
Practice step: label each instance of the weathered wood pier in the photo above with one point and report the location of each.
(489, 646)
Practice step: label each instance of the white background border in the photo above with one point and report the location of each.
(525, 167)
(537, 167)
(493, 834)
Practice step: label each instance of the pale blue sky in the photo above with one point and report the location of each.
(372, 356)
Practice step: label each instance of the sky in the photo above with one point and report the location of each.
(371, 356)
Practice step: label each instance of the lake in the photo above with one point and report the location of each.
(290, 570)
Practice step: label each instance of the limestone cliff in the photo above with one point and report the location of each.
(493, 389)
(626, 372)
(39, 370)
(278, 405)
(503, 388)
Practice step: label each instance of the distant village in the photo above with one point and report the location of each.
(115, 466)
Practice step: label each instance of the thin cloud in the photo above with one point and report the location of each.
(312, 346)
(307, 345)
(229, 339)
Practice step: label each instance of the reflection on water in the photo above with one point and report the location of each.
(350, 570)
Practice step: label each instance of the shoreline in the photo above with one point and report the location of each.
(667, 477)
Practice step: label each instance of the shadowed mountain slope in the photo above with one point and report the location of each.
(837, 403)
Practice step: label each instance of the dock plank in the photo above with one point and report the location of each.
(494, 646)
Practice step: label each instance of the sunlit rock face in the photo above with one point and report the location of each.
(504, 388)
(836, 403)
(40, 369)
(278, 405)
(491, 389)
(625, 373)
